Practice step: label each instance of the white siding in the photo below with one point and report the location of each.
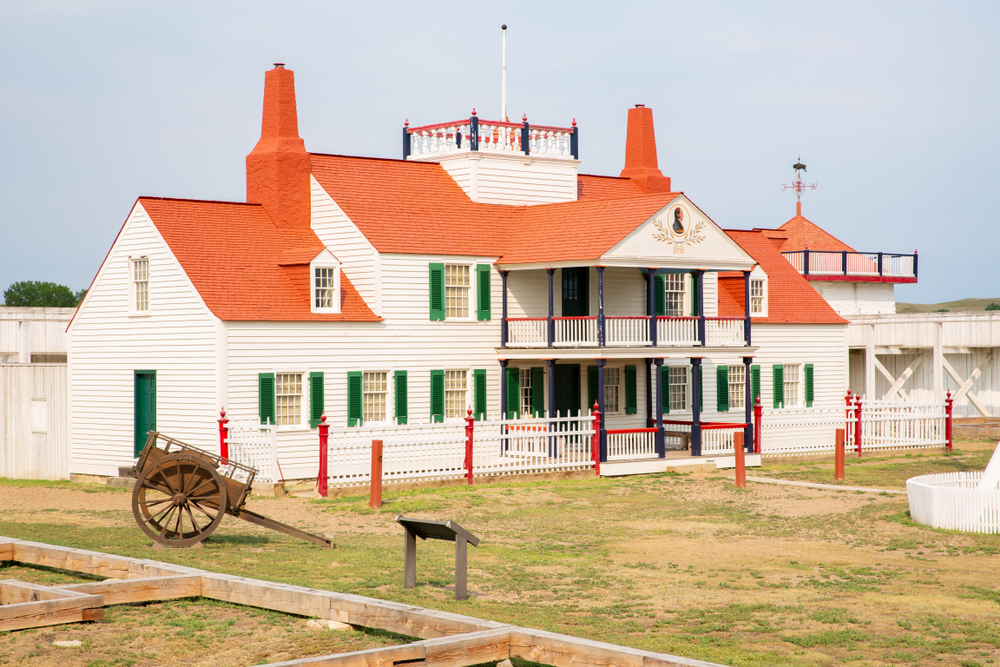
(513, 179)
(107, 345)
(407, 340)
(34, 439)
(858, 298)
(46, 329)
(359, 260)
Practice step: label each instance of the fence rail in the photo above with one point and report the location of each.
(861, 264)
(954, 501)
(256, 445)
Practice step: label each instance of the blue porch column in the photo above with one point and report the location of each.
(748, 402)
(551, 370)
(649, 393)
(651, 304)
(503, 318)
(661, 445)
(600, 406)
(695, 407)
(746, 308)
(699, 303)
(552, 310)
(600, 311)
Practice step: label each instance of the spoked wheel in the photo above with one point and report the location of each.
(179, 500)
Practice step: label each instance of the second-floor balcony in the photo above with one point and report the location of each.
(855, 266)
(625, 331)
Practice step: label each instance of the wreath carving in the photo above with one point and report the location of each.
(688, 237)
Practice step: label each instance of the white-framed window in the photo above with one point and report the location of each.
(527, 395)
(375, 394)
(674, 297)
(758, 293)
(288, 398)
(324, 284)
(139, 292)
(457, 284)
(792, 376)
(455, 394)
(737, 386)
(612, 390)
(678, 389)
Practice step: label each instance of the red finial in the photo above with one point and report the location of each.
(406, 123)
(524, 118)
(322, 418)
(574, 122)
(223, 413)
(468, 412)
(473, 111)
(914, 251)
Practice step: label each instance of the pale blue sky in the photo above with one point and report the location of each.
(894, 106)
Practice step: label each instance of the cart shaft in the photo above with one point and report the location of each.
(265, 522)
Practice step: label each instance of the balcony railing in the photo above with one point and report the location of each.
(857, 264)
(490, 136)
(625, 331)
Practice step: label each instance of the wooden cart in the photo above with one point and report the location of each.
(181, 494)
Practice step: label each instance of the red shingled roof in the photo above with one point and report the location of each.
(605, 187)
(790, 297)
(803, 233)
(231, 252)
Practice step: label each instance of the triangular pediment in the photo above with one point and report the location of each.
(680, 235)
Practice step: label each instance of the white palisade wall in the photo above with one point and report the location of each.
(177, 339)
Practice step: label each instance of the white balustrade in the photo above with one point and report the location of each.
(681, 331)
(625, 331)
(861, 263)
(724, 331)
(897, 265)
(632, 444)
(576, 331)
(550, 141)
(527, 332)
(719, 440)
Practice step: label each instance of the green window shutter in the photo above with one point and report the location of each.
(591, 387)
(316, 399)
(659, 295)
(778, 385)
(483, 291)
(538, 391)
(436, 287)
(631, 401)
(694, 298)
(265, 397)
(513, 393)
(437, 396)
(665, 385)
(808, 377)
(722, 387)
(754, 383)
(355, 415)
(402, 402)
(479, 400)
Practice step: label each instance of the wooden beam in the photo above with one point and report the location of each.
(375, 657)
(142, 590)
(470, 649)
(6, 551)
(965, 385)
(50, 612)
(565, 651)
(13, 591)
(898, 384)
(92, 562)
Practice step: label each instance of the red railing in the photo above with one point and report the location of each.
(620, 431)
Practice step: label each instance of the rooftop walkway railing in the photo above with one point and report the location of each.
(861, 265)
(490, 136)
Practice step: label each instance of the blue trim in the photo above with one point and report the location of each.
(503, 320)
(651, 307)
(526, 139)
(746, 308)
(748, 403)
(600, 406)
(551, 322)
(406, 143)
(695, 407)
(601, 333)
(699, 295)
(473, 133)
(661, 442)
(574, 143)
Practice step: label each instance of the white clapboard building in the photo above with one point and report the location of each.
(482, 271)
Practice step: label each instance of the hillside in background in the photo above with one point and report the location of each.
(962, 305)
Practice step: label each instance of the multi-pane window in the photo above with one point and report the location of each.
(375, 391)
(792, 382)
(527, 397)
(756, 296)
(612, 389)
(678, 388)
(674, 299)
(455, 394)
(140, 284)
(324, 281)
(456, 290)
(737, 386)
(288, 398)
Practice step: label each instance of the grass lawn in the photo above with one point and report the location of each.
(682, 564)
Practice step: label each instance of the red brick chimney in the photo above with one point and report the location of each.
(278, 167)
(640, 152)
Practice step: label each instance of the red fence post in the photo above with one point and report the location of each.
(469, 428)
(857, 423)
(375, 500)
(596, 440)
(741, 462)
(850, 408)
(838, 457)
(223, 436)
(324, 438)
(948, 402)
(758, 415)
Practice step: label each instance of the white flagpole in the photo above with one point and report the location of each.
(503, 96)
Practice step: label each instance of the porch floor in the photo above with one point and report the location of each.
(676, 460)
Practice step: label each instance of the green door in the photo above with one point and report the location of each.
(575, 292)
(145, 407)
(567, 388)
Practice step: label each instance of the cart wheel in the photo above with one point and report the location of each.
(179, 500)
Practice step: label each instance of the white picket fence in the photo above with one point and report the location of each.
(436, 451)
(889, 425)
(794, 431)
(255, 445)
(954, 501)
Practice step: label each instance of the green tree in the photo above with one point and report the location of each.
(41, 294)
(993, 306)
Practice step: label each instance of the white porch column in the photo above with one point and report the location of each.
(938, 368)
(24, 345)
(870, 362)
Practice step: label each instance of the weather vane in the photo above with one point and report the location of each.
(797, 183)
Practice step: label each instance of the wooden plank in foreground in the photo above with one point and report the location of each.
(471, 649)
(51, 612)
(375, 657)
(6, 550)
(565, 651)
(117, 591)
